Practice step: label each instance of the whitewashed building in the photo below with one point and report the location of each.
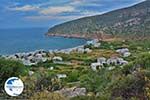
(87, 50)
(116, 61)
(96, 45)
(124, 52)
(96, 66)
(57, 58)
(101, 60)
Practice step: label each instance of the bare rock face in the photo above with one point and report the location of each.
(73, 92)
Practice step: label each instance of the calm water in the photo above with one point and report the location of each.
(25, 40)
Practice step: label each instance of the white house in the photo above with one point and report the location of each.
(124, 52)
(96, 66)
(88, 50)
(116, 61)
(92, 42)
(97, 45)
(28, 62)
(57, 58)
(101, 60)
(51, 68)
(40, 58)
(12, 57)
(111, 61)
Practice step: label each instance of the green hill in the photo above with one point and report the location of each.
(131, 20)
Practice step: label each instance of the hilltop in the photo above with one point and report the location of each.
(133, 21)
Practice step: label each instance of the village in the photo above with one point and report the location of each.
(78, 71)
(54, 56)
(32, 58)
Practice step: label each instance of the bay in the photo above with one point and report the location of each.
(31, 39)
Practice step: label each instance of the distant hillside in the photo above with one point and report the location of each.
(131, 20)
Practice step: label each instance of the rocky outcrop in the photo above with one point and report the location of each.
(72, 92)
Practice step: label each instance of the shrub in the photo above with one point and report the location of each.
(10, 68)
(45, 95)
(73, 76)
(48, 83)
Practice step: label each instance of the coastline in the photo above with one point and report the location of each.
(79, 36)
(99, 36)
(52, 50)
(33, 57)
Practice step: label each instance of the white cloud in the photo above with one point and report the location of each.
(24, 8)
(60, 17)
(57, 10)
(49, 10)
(76, 2)
(39, 17)
(53, 13)
(92, 13)
(50, 17)
(84, 3)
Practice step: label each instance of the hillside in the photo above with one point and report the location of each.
(131, 20)
(125, 78)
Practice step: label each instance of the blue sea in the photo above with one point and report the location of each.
(31, 39)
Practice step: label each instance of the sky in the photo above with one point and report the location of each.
(47, 13)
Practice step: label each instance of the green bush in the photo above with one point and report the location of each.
(48, 83)
(73, 76)
(10, 68)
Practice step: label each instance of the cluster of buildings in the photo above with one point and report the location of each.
(102, 62)
(94, 43)
(79, 49)
(83, 50)
(31, 58)
(112, 61)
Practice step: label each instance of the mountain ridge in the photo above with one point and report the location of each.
(133, 20)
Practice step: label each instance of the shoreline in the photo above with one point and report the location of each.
(50, 50)
(87, 36)
(34, 57)
(53, 50)
(78, 36)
